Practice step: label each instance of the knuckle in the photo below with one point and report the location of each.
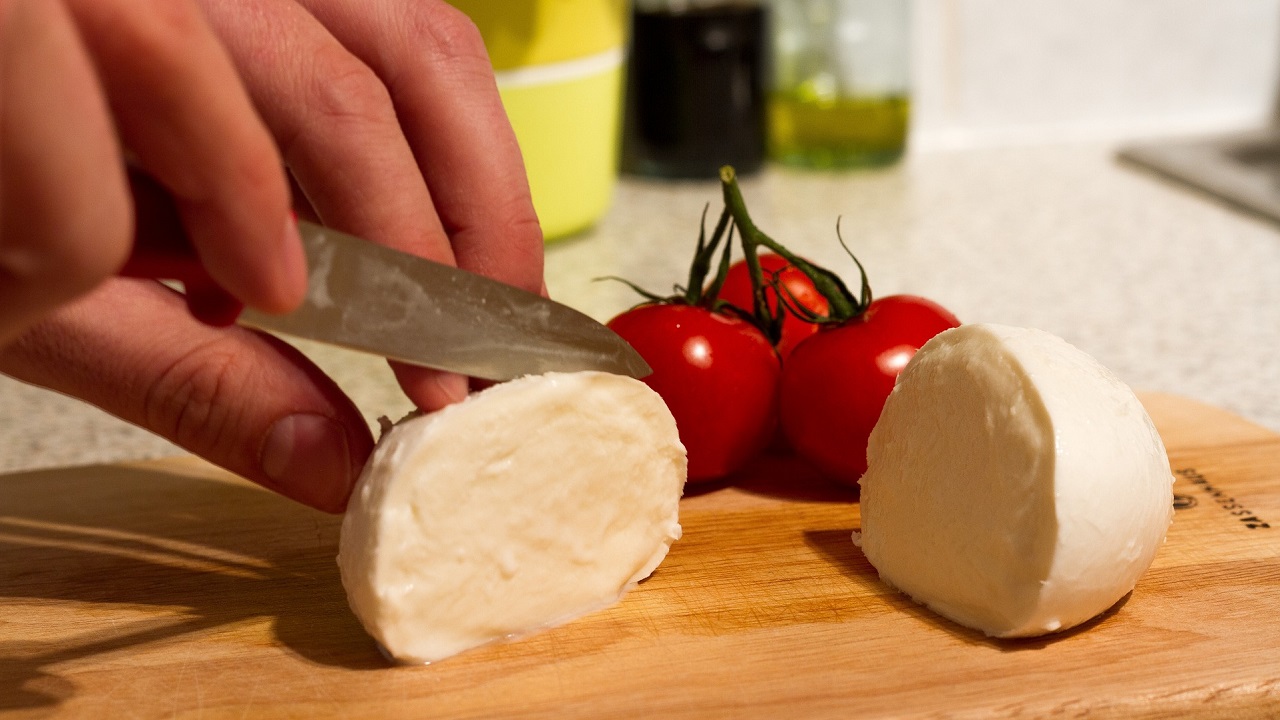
(74, 252)
(259, 180)
(447, 35)
(519, 219)
(518, 261)
(100, 253)
(166, 28)
(181, 19)
(346, 91)
(525, 237)
(112, 222)
(527, 252)
(193, 400)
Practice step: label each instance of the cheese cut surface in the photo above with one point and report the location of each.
(529, 504)
(1014, 485)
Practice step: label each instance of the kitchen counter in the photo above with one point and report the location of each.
(1172, 291)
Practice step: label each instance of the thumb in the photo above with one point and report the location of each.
(242, 400)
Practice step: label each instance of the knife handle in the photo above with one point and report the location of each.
(162, 251)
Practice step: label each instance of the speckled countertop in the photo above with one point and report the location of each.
(1173, 292)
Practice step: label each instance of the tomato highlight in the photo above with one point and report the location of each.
(718, 375)
(784, 279)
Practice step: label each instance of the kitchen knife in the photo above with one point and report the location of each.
(370, 298)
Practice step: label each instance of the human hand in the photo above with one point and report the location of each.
(388, 119)
(83, 82)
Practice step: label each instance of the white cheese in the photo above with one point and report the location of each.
(1014, 485)
(525, 506)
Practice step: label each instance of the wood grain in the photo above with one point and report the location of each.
(172, 590)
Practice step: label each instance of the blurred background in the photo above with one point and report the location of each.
(1008, 71)
(675, 88)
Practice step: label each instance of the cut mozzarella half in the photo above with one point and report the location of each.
(1014, 485)
(525, 506)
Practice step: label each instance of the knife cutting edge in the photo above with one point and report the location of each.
(370, 298)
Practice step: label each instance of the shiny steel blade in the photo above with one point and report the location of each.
(366, 297)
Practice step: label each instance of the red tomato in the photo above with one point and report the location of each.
(718, 375)
(835, 383)
(737, 292)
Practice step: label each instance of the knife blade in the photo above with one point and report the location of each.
(370, 298)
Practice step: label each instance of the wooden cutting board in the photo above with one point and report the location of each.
(171, 589)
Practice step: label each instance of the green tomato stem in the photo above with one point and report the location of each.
(842, 305)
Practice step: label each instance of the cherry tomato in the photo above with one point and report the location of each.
(835, 383)
(717, 373)
(737, 292)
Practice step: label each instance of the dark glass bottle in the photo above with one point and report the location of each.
(695, 89)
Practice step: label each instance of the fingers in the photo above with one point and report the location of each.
(242, 400)
(335, 124)
(390, 120)
(181, 109)
(438, 74)
(65, 222)
(342, 140)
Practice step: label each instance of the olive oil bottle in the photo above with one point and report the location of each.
(839, 92)
(841, 132)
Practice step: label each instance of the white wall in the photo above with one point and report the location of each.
(1014, 71)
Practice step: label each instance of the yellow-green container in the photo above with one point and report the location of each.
(559, 65)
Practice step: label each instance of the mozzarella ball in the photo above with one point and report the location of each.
(1014, 485)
